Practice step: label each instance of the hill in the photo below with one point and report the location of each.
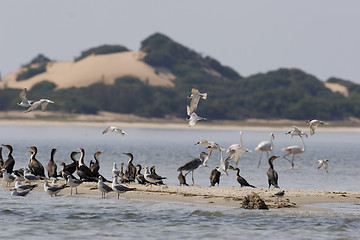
(155, 80)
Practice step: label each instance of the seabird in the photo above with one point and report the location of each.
(115, 170)
(64, 173)
(294, 150)
(236, 150)
(182, 179)
(71, 168)
(193, 118)
(314, 124)
(52, 190)
(1, 159)
(139, 176)
(193, 164)
(265, 146)
(42, 102)
(195, 97)
(242, 181)
(8, 178)
(35, 166)
(123, 177)
(18, 192)
(115, 130)
(73, 183)
(96, 166)
(24, 101)
(211, 146)
(153, 171)
(118, 188)
(152, 178)
(103, 187)
(20, 186)
(215, 177)
(272, 174)
(296, 132)
(51, 167)
(10, 161)
(130, 171)
(324, 162)
(28, 176)
(82, 170)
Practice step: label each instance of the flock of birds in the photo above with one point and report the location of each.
(35, 171)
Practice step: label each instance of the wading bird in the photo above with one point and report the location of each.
(236, 150)
(265, 146)
(193, 164)
(294, 150)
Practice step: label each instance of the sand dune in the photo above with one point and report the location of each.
(93, 69)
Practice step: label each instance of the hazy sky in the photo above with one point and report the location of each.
(321, 37)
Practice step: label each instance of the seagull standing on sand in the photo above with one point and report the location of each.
(17, 192)
(42, 102)
(52, 190)
(8, 178)
(313, 125)
(103, 187)
(118, 188)
(73, 183)
(24, 101)
(324, 162)
(195, 97)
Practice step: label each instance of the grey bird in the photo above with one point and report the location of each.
(193, 164)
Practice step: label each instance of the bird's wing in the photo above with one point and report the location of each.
(195, 91)
(326, 165)
(34, 106)
(107, 129)
(44, 105)
(320, 163)
(22, 96)
(193, 104)
(312, 129)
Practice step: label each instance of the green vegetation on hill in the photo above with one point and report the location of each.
(283, 93)
(103, 49)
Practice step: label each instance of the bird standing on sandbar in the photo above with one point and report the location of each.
(34, 165)
(215, 175)
(52, 190)
(182, 179)
(73, 183)
(10, 161)
(103, 187)
(242, 181)
(152, 178)
(118, 188)
(272, 174)
(193, 164)
(51, 167)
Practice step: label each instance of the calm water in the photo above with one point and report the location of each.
(85, 217)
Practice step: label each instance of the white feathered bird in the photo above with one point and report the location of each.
(42, 102)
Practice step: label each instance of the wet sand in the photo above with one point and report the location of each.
(296, 199)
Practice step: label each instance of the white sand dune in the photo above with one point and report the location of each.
(92, 69)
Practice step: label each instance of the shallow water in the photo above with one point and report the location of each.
(85, 217)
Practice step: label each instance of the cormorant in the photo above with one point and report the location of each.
(10, 161)
(182, 179)
(139, 176)
(272, 174)
(51, 167)
(35, 166)
(130, 171)
(242, 181)
(215, 177)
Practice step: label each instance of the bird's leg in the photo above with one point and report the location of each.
(192, 176)
(260, 159)
(287, 158)
(292, 161)
(75, 190)
(70, 190)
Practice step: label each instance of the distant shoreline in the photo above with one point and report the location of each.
(104, 119)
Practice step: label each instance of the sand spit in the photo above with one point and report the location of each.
(224, 196)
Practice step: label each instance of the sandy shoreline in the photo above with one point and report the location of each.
(104, 119)
(296, 199)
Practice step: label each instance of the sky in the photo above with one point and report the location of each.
(320, 37)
